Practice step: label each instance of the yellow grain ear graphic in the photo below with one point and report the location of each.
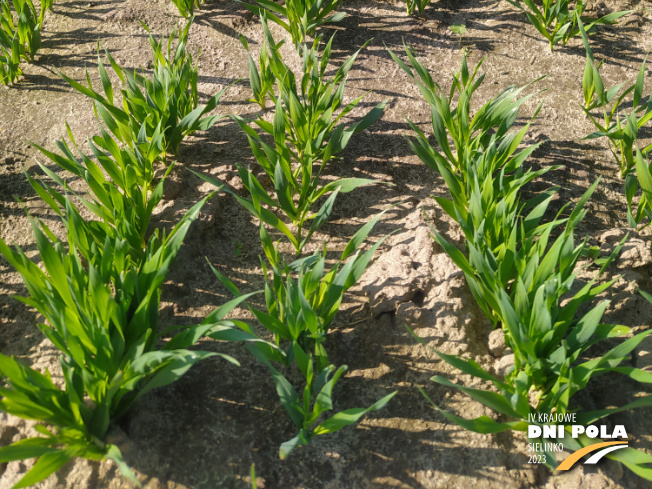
(570, 461)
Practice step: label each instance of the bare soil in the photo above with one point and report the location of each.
(207, 429)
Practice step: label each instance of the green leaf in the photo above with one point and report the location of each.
(481, 424)
(643, 173)
(349, 416)
(459, 29)
(321, 217)
(47, 464)
(492, 400)
(113, 453)
(586, 327)
(26, 448)
(467, 366)
(288, 396)
(287, 447)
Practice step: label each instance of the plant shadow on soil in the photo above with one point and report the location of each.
(396, 30)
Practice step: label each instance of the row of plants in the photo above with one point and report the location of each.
(303, 296)
(556, 20)
(622, 128)
(112, 349)
(300, 18)
(520, 267)
(100, 289)
(560, 20)
(187, 8)
(20, 27)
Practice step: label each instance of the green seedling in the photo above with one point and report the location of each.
(252, 474)
(167, 100)
(187, 7)
(100, 294)
(470, 135)
(418, 6)
(28, 29)
(262, 82)
(619, 127)
(556, 20)
(302, 299)
(459, 29)
(307, 132)
(643, 179)
(312, 106)
(21, 40)
(125, 201)
(302, 17)
(101, 307)
(483, 169)
(484, 159)
(10, 62)
(237, 248)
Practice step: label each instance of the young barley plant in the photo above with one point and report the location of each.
(101, 304)
(21, 39)
(127, 198)
(618, 126)
(302, 299)
(556, 20)
(168, 100)
(307, 131)
(262, 82)
(302, 17)
(418, 6)
(10, 62)
(550, 343)
(187, 7)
